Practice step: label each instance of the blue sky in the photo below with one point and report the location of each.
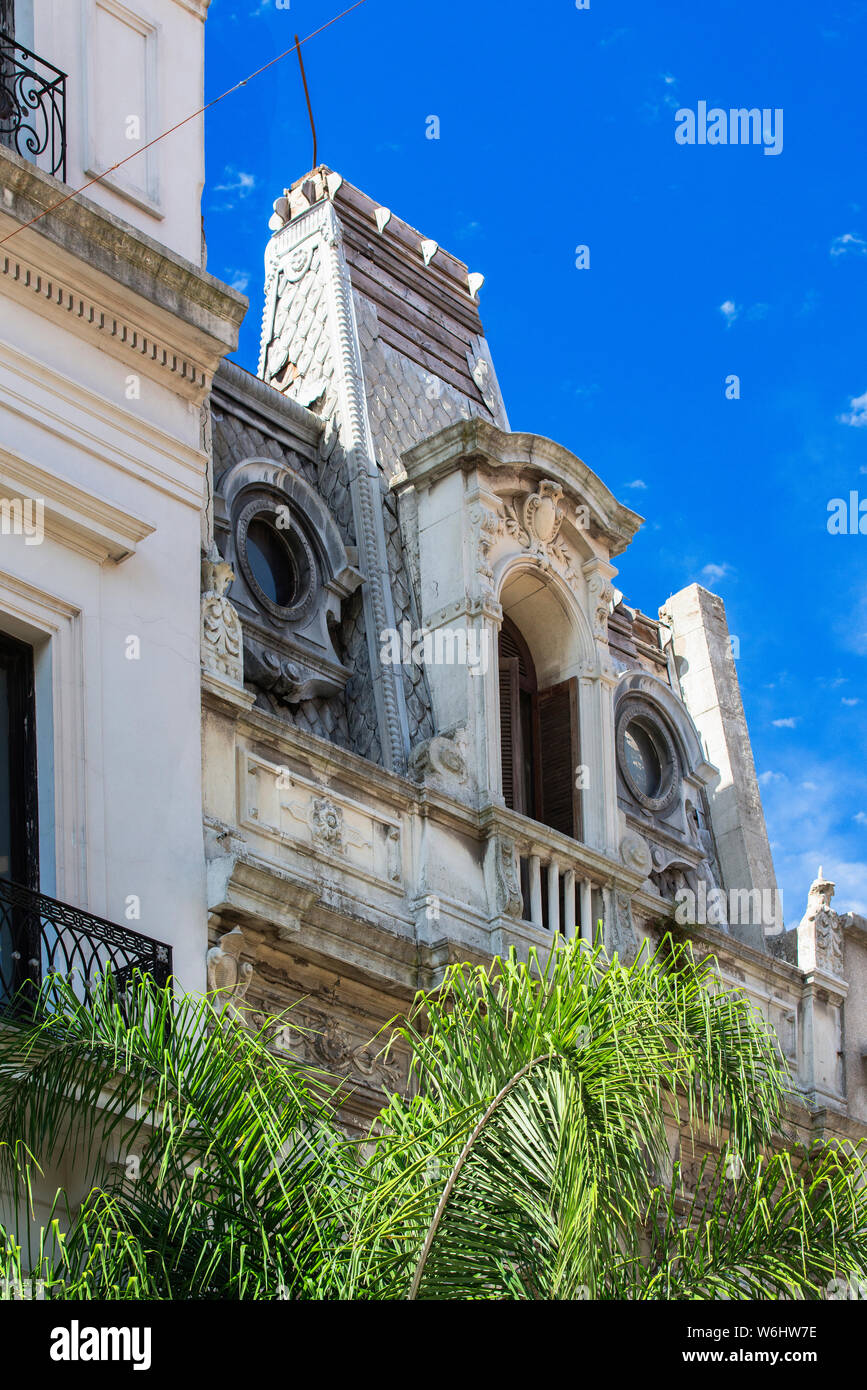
(557, 130)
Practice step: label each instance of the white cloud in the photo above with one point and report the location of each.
(668, 97)
(714, 573)
(789, 723)
(857, 413)
(239, 281)
(729, 311)
(638, 483)
(848, 243)
(817, 821)
(765, 778)
(237, 185)
(853, 701)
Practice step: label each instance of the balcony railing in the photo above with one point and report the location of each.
(556, 896)
(32, 107)
(40, 936)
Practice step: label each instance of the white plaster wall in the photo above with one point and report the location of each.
(159, 50)
(126, 734)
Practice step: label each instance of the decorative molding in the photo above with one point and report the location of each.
(32, 614)
(74, 516)
(510, 899)
(222, 635)
(99, 429)
(147, 195)
(533, 520)
(365, 486)
(820, 931)
(118, 334)
(338, 831)
(635, 853)
(442, 761)
(324, 1042)
(622, 937)
(289, 650)
(228, 976)
(600, 593)
(486, 525)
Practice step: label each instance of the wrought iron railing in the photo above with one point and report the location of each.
(41, 936)
(32, 107)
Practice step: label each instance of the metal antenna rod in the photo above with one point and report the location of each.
(307, 95)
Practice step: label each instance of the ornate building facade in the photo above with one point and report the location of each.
(110, 333)
(432, 726)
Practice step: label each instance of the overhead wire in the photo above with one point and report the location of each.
(295, 48)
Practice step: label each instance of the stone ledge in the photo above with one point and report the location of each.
(107, 244)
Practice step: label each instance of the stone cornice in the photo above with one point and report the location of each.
(100, 428)
(718, 943)
(197, 7)
(74, 515)
(112, 284)
(477, 443)
(241, 388)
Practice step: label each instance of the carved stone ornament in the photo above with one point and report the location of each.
(441, 761)
(543, 515)
(222, 644)
(820, 931)
(486, 526)
(537, 528)
(228, 976)
(623, 938)
(600, 593)
(326, 1044)
(326, 822)
(510, 899)
(635, 853)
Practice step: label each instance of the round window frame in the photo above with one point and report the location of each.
(637, 712)
(264, 506)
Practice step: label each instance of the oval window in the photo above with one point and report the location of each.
(271, 562)
(642, 758)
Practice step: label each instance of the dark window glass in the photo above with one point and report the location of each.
(539, 744)
(642, 758)
(19, 828)
(272, 563)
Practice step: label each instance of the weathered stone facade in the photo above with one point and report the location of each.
(361, 829)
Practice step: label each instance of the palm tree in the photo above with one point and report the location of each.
(209, 1166)
(531, 1160)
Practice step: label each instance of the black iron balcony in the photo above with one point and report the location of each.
(40, 936)
(32, 107)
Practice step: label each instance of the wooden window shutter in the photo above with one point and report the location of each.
(510, 733)
(561, 756)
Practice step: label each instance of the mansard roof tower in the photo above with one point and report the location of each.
(433, 727)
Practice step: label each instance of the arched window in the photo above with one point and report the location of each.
(539, 743)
